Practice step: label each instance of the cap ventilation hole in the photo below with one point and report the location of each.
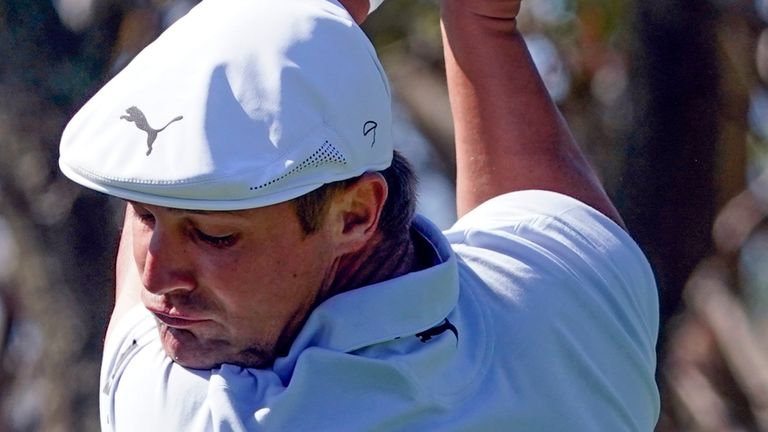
(326, 154)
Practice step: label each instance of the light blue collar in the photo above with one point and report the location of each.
(384, 311)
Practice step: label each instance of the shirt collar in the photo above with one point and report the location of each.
(384, 311)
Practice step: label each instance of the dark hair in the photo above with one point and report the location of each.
(397, 214)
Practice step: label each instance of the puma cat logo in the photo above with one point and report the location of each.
(135, 115)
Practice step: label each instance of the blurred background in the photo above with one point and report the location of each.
(669, 98)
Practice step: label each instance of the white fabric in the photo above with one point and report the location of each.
(374, 4)
(239, 104)
(555, 312)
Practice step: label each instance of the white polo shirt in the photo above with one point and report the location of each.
(540, 315)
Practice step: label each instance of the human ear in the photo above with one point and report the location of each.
(355, 211)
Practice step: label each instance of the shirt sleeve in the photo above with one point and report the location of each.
(143, 389)
(575, 310)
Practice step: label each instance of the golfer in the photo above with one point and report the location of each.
(272, 275)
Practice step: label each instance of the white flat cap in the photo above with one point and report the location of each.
(240, 104)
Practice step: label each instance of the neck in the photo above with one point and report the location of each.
(379, 261)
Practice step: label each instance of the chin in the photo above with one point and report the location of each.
(195, 363)
(187, 350)
(184, 348)
(200, 362)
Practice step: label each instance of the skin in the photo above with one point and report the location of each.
(244, 303)
(197, 268)
(236, 287)
(510, 136)
(358, 9)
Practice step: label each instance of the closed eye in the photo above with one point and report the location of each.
(216, 241)
(145, 217)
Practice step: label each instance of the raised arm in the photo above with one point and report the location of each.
(509, 134)
(127, 279)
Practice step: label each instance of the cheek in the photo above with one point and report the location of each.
(140, 244)
(270, 286)
(256, 299)
(242, 283)
(275, 276)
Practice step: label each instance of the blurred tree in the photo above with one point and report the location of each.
(65, 236)
(642, 84)
(668, 192)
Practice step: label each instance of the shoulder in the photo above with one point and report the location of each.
(143, 389)
(550, 230)
(138, 377)
(523, 210)
(573, 309)
(559, 256)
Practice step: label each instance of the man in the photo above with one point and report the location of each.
(272, 276)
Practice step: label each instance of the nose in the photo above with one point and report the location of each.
(163, 262)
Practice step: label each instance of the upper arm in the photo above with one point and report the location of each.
(127, 279)
(575, 309)
(357, 8)
(509, 134)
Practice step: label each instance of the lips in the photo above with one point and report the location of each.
(177, 321)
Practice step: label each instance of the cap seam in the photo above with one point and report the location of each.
(92, 175)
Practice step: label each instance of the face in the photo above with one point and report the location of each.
(229, 287)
